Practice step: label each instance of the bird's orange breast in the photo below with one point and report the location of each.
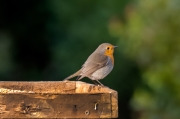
(109, 53)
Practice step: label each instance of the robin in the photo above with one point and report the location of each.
(98, 65)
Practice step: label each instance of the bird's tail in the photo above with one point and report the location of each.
(73, 75)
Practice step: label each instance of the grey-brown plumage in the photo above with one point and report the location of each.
(98, 65)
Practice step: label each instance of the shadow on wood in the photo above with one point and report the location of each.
(57, 100)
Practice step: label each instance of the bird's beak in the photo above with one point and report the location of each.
(115, 46)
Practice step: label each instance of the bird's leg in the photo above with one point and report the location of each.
(77, 79)
(100, 83)
(95, 82)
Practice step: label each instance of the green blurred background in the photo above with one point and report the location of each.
(47, 40)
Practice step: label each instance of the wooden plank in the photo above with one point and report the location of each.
(56, 100)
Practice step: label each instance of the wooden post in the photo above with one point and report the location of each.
(72, 99)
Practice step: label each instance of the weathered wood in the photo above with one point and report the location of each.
(57, 100)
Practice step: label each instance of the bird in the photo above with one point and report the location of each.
(98, 65)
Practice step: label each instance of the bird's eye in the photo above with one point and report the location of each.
(107, 48)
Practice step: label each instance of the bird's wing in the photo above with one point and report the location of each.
(93, 63)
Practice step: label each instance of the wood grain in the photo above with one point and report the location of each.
(72, 99)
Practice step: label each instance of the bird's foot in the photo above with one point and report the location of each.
(66, 80)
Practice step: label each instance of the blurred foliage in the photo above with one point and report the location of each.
(151, 37)
(51, 39)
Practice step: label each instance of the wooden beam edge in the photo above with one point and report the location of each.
(114, 106)
(53, 87)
